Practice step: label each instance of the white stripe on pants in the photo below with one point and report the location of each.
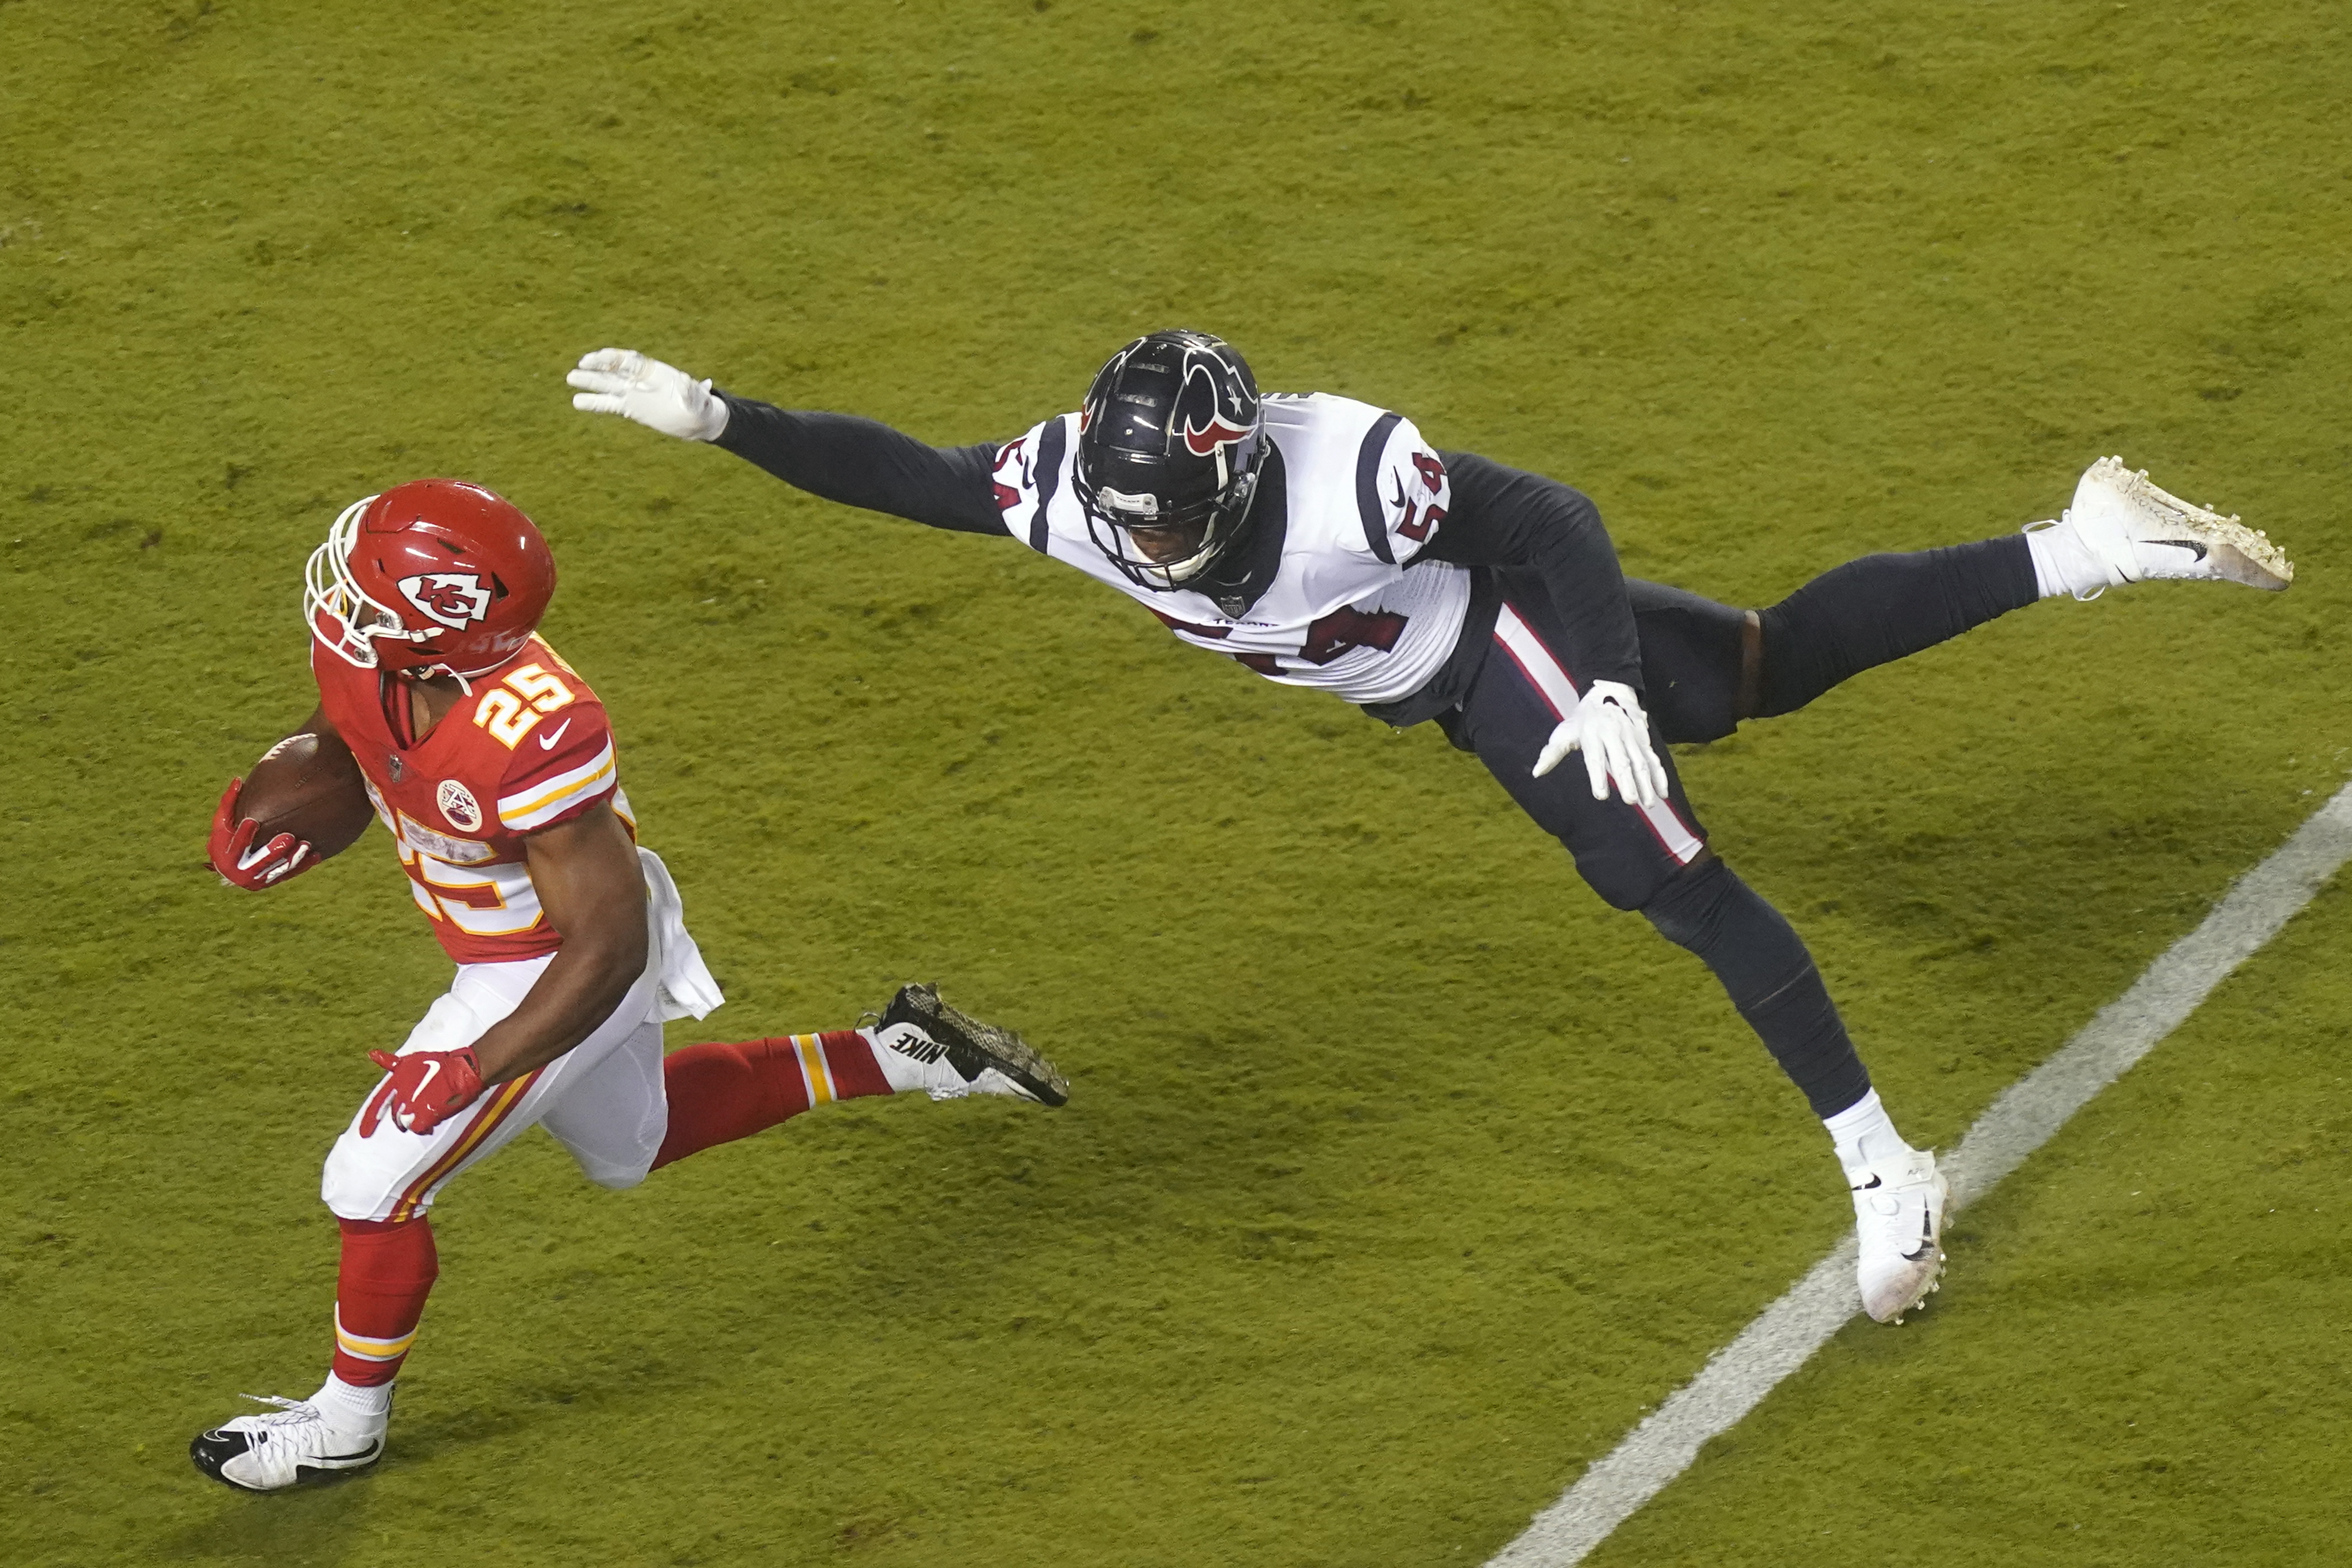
(1551, 681)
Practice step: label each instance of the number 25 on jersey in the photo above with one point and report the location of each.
(509, 712)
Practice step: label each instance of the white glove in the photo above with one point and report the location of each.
(625, 381)
(1613, 732)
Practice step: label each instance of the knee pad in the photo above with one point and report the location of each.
(350, 1187)
(619, 1178)
(1619, 889)
(1688, 908)
(1752, 950)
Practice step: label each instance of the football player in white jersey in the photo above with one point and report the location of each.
(1323, 542)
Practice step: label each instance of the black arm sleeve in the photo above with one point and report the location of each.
(859, 462)
(1513, 521)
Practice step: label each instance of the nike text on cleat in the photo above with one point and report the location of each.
(1898, 1215)
(294, 1443)
(2141, 532)
(985, 1059)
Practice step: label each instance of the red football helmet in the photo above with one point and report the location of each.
(434, 576)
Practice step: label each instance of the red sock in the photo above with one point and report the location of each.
(719, 1093)
(387, 1271)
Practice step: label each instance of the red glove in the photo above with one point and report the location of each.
(236, 859)
(425, 1089)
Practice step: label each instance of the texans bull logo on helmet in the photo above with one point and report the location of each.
(1211, 409)
(1169, 441)
(1215, 404)
(456, 599)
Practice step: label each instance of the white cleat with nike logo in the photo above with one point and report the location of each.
(957, 1054)
(2139, 533)
(1899, 1214)
(293, 1443)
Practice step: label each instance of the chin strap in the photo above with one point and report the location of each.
(430, 670)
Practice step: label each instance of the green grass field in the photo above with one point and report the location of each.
(1401, 1174)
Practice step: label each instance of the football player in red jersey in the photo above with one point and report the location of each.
(492, 764)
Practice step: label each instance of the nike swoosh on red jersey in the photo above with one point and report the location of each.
(547, 742)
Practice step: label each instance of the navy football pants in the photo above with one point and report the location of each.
(1706, 666)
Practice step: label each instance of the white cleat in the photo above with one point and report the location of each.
(2139, 533)
(294, 1443)
(964, 1054)
(1898, 1212)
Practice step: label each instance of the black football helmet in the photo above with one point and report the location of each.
(1170, 445)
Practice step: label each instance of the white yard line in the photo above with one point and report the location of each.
(2023, 1118)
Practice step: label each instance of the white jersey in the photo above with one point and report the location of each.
(1350, 611)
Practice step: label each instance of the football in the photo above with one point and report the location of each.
(307, 785)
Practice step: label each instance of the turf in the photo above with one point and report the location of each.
(1400, 1174)
(2145, 1364)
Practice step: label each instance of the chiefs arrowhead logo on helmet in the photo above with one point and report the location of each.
(456, 599)
(431, 575)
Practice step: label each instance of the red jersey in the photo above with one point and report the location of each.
(531, 748)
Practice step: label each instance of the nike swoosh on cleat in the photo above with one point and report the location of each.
(340, 1458)
(547, 742)
(1873, 1182)
(2169, 543)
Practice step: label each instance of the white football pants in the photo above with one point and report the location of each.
(602, 1100)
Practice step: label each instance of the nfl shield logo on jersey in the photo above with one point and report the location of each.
(459, 805)
(456, 599)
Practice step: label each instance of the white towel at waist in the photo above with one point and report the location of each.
(687, 987)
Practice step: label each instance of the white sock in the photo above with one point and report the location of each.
(2062, 563)
(1863, 1133)
(350, 1407)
